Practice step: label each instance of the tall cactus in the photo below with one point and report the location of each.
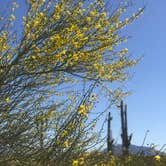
(126, 140)
(110, 140)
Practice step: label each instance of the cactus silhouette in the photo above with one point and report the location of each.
(126, 140)
(110, 140)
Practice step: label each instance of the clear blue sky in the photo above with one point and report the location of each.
(146, 106)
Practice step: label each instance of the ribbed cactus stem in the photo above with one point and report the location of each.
(109, 135)
(122, 122)
(125, 138)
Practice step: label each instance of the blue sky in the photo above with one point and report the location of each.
(146, 106)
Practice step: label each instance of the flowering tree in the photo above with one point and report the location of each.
(63, 46)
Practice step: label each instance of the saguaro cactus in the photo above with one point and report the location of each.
(110, 140)
(126, 140)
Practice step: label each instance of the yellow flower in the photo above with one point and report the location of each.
(117, 25)
(134, 15)
(7, 99)
(33, 57)
(80, 4)
(66, 144)
(4, 47)
(51, 114)
(12, 17)
(127, 20)
(88, 19)
(157, 158)
(36, 22)
(63, 52)
(85, 28)
(104, 14)
(15, 4)
(93, 13)
(82, 110)
(81, 161)
(41, 14)
(56, 16)
(97, 26)
(126, 50)
(81, 35)
(64, 133)
(82, 107)
(96, 66)
(75, 57)
(75, 163)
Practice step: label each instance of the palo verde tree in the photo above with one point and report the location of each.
(63, 45)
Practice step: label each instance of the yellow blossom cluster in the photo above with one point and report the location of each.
(61, 42)
(11, 18)
(157, 157)
(83, 110)
(66, 144)
(80, 161)
(3, 42)
(7, 100)
(77, 45)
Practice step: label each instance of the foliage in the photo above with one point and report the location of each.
(104, 159)
(62, 47)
